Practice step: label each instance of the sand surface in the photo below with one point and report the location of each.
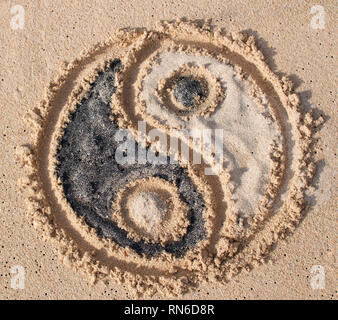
(31, 58)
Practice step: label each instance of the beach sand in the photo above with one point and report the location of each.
(31, 57)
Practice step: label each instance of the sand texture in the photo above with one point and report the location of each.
(112, 186)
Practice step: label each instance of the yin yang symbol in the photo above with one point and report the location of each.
(109, 180)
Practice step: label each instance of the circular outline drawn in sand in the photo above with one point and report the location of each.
(204, 104)
(169, 227)
(214, 239)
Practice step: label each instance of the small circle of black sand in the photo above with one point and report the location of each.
(187, 90)
(91, 177)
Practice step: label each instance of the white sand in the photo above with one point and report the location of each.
(147, 209)
(248, 133)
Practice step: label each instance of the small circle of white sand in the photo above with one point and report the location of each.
(148, 209)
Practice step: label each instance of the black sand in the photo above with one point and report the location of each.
(91, 177)
(187, 90)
